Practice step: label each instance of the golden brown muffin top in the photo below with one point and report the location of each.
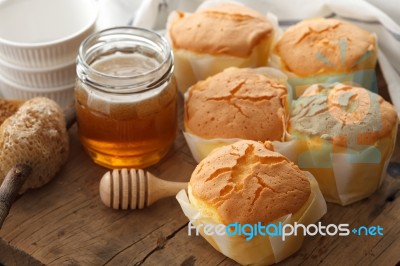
(247, 182)
(237, 103)
(226, 29)
(320, 46)
(345, 114)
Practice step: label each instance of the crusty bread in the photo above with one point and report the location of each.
(320, 46)
(237, 103)
(35, 135)
(247, 182)
(8, 108)
(225, 29)
(347, 115)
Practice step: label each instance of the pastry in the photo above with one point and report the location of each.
(345, 136)
(236, 104)
(216, 37)
(326, 50)
(247, 183)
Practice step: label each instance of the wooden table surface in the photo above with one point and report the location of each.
(65, 223)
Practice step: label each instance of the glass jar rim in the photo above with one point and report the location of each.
(155, 41)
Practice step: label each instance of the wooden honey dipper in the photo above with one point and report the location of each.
(135, 189)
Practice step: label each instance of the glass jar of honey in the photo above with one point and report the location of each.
(126, 97)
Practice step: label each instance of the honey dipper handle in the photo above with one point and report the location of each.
(10, 187)
(159, 188)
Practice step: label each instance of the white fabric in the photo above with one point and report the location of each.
(153, 14)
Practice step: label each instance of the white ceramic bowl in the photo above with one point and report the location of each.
(44, 33)
(39, 77)
(64, 95)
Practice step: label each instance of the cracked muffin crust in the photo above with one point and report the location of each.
(347, 115)
(225, 29)
(319, 46)
(247, 182)
(237, 103)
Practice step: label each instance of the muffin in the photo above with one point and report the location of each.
(216, 37)
(247, 183)
(326, 50)
(235, 104)
(345, 136)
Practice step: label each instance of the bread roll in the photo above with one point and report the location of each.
(8, 108)
(35, 135)
(216, 37)
(345, 136)
(248, 183)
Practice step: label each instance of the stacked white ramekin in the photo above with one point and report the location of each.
(39, 41)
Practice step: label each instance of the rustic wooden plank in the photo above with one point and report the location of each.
(65, 223)
(12, 256)
(186, 250)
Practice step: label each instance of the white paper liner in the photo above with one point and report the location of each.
(365, 78)
(201, 147)
(191, 67)
(261, 250)
(345, 175)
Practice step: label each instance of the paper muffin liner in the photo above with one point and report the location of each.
(191, 67)
(201, 147)
(365, 78)
(346, 172)
(261, 250)
(345, 175)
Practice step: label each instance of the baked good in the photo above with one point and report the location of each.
(8, 108)
(346, 135)
(216, 37)
(328, 48)
(34, 135)
(238, 104)
(248, 183)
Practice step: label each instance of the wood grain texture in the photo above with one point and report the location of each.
(65, 223)
(11, 256)
(10, 187)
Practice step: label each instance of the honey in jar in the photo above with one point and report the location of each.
(126, 100)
